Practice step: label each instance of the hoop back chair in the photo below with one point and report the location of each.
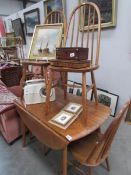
(94, 149)
(85, 14)
(56, 17)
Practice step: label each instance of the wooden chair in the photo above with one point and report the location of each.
(94, 149)
(56, 17)
(77, 37)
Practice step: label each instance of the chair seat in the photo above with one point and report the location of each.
(84, 150)
(65, 69)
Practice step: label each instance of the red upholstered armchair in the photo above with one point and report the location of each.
(9, 118)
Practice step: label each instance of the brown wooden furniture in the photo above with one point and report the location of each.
(13, 49)
(11, 75)
(77, 37)
(56, 17)
(94, 149)
(128, 115)
(34, 117)
(26, 63)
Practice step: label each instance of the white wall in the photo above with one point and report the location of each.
(114, 73)
(7, 7)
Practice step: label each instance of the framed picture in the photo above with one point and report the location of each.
(67, 115)
(70, 87)
(45, 40)
(51, 5)
(31, 18)
(128, 115)
(9, 27)
(10, 40)
(77, 89)
(73, 108)
(18, 29)
(108, 99)
(108, 12)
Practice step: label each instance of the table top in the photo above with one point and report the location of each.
(96, 115)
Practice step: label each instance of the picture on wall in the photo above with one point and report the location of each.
(107, 10)
(108, 99)
(51, 5)
(10, 41)
(18, 29)
(45, 40)
(9, 27)
(31, 18)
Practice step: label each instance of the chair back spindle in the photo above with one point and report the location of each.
(105, 142)
(56, 17)
(85, 16)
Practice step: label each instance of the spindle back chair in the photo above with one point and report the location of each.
(84, 30)
(56, 17)
(76, 36)
(94, 149)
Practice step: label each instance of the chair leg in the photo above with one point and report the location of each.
(65, 84)
(48, 89)
(107, 164)
(94, 86)
(84, 99)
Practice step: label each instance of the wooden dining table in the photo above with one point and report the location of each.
(35, 118)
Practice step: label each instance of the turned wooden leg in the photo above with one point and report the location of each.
(65, 84)
(107, 164)
(94, 86)
(64, 162)
(84, 98)
(48, 89)
(23, 79)
(23, 134)
(89, 171)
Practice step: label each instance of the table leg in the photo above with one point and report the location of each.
(23, 134)
(64, 162)
(65, 84)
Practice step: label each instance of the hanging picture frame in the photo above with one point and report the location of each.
(108, 99)
(45, 39)
(107, 10)
(18, 29)
(51, 5)
(31, 18)
(128, 115)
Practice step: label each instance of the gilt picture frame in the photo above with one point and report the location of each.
(45, 39)
(31, 18)
(51, 5)
(107, 10)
